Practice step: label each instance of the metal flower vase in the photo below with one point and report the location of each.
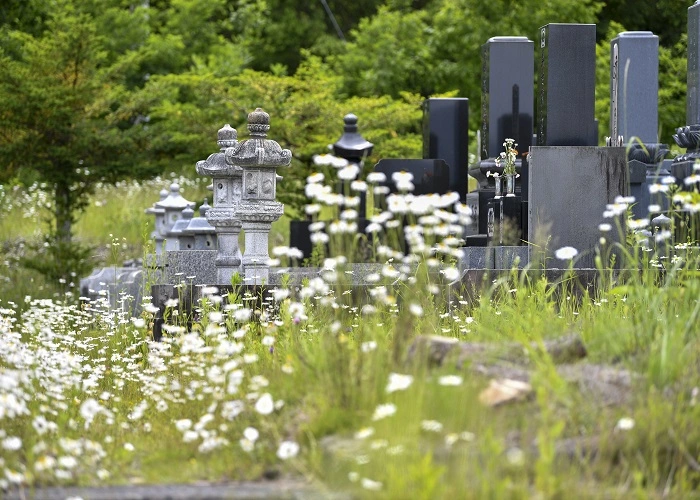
(498, 183)
(510, 184)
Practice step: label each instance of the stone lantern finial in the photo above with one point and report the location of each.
(227, 136)
(258, 123)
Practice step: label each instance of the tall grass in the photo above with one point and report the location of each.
(329, 370)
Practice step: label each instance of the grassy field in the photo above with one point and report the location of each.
(408, 392)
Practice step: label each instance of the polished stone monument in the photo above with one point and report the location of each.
(446, 137)
(688, 137)
(507, 105)
(634, 89)
(566, 86)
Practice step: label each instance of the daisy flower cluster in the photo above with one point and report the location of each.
(82, 388)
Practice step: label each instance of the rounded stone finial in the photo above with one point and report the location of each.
(661, 222)
(163, 194)
(187, 213)
(350, 123)
(227, 136)
(175, 188)
(204, 208)
(258, 123)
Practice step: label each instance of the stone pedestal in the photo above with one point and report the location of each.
(255, 260)
(570, 188)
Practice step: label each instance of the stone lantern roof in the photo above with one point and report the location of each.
(174, 200)
(257, 151)
(216, 163)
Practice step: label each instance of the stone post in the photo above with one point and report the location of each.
(227, 181)
(158, 214)
(259, 158)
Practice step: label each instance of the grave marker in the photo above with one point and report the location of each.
(634, 89)
(446, 137)
(566, 88)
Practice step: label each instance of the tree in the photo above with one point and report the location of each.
(437, 50)
(57, 96)
(306, 109)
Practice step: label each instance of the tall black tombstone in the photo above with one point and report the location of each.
(507, 105)
(572, 180)
(688, 137)
(634, 99)
(566, 93)
(446, 137)
(507, 93)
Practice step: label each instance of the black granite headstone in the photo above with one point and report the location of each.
(566, 89)
(692, 103)
(688, 137)
(429, 176)
(446, 137)
(507, 93)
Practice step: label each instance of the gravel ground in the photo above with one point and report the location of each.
(283, 489)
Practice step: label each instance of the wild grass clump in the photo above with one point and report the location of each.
(414, 388)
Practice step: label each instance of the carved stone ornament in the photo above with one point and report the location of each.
(215, 165)
(257, 151)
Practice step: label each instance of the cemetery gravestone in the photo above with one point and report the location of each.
(634, 88)
(571, 181)
(446, 137)
(507, 104)
(507, 93)
(688, 137)
(566, 93)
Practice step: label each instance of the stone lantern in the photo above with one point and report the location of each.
(351, 145)
(172, 206)
(259, 158)
(185, 241)
(354, 148)
(203, 233)
(227, 181)
(159, 229)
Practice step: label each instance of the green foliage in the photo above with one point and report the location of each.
(55, 102)
(437, 49)
(389, 54)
